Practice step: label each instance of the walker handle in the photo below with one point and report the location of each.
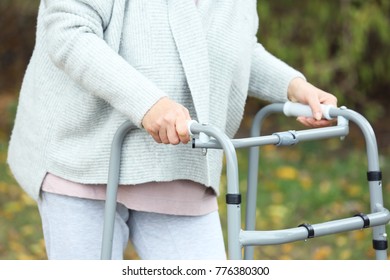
(189, 123)
(292, 109)
(204, 138)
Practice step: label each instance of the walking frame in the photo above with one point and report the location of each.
(211, 137)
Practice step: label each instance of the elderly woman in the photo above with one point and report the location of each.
(157, 63)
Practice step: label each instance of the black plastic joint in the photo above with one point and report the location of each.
(379, 244)
(233, 199)
(365, 218)
(374, 176)
(310, 229)
(193, 143)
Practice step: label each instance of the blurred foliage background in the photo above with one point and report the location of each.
(342, 46)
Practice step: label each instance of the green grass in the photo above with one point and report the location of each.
(20, 234)
(310, 182)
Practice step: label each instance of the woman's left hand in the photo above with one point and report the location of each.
(303, 92)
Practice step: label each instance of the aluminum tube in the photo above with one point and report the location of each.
(233, 210)
(112, 189)
(301, 135)
(253, 169)
(274, 237)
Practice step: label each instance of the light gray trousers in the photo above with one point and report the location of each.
(73, 227)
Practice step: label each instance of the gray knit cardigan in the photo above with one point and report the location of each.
(97, 63)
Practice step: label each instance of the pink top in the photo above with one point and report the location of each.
(181, 197)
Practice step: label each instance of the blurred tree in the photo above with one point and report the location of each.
(340, 45)
(17, 37)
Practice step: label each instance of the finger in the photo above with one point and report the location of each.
(162, 133)
(328, 99)
(321, 123)
(304, 121)
(315, 106)
(173, 138)
(182, 127)
(155, 137)
(154, 132)
(182, 130)
(311, 122)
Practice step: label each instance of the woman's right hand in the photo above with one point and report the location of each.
(166, 122)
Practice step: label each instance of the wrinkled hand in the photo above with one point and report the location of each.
(167, 121)
(303, 92)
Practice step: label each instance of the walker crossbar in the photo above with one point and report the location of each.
(275, 237)
(279, 138)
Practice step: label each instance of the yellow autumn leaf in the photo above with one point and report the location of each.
(341, 240)
(359, 235)
(277, 213)
(287, 248)
(3, 188)
(324, 187)
(286, 173)
(322, 253)
(354, 190)
(305, 181)
(27, 230)
(277, 197)
(27, 200)
(345, 255)
(13, 207)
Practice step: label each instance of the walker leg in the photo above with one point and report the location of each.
(112, 188)
(251, 197)
(379, 236)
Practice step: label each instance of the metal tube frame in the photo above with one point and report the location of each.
(112, 189)
(376, 198)
(238, 238)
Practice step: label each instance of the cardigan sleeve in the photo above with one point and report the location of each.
(270, 76)
(76, 45)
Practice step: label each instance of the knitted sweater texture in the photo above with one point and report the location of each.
(97, 63)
